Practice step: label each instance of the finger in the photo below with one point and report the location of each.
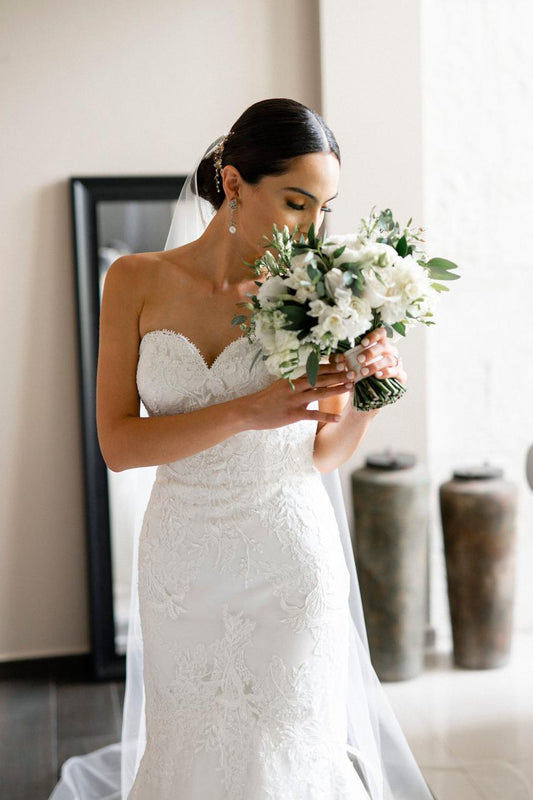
(377, 335)
(395, 371)
(327, 391)
(322, 416)
(329, 379)
(323, 379)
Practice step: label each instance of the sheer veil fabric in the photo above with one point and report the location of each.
(375, 742)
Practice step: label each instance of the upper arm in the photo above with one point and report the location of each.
(116, 388)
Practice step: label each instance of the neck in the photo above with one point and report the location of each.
(221, 255)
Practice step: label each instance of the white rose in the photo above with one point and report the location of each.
(286, 340)
(270, 290)
(377, 292)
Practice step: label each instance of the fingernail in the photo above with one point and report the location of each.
(361, 358)
(339, 367)
(365, 371)
(365, 341)
(379, 373)
(350, 374)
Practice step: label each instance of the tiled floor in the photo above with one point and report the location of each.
(471, 731)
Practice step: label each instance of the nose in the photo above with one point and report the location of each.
(316, 219)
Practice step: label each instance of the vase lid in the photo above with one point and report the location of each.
(481, 472)
(390, 460)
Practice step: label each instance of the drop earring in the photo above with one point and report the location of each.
(232, 228)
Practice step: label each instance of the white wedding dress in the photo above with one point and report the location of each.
(243, 596)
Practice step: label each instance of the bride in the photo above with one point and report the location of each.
(248, 673)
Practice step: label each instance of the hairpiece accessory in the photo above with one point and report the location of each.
(217, 160)
(232, 228)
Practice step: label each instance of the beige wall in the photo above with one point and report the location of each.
(97, 88)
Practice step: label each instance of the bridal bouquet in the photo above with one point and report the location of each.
(321, 297)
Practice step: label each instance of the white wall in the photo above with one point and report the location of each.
(371, 97)
(91, 89)
(431, 104)
(478, 200)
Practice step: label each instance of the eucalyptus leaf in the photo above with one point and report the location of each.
(311, 367)
(238, 319)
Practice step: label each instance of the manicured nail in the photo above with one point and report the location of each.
(365, 371)
(379, 373)
(361, 359)
(339, 367)
(365, 341)
(350, 374)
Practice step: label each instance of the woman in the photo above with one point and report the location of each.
(243, 585)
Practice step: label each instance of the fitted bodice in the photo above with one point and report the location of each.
(173, 377)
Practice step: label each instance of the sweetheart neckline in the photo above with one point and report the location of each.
(193, 345)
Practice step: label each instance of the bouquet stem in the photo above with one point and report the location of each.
(375, 392)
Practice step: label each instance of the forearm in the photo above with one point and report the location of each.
(149, 441)
(336, 442)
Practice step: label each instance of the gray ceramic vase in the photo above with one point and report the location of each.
(478, 512)
(391, 509)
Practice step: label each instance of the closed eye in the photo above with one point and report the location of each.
(298, 207)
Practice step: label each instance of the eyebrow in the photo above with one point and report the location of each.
(307, 194)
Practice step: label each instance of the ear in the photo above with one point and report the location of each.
(231, 181)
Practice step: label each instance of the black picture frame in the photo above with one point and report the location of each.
(85, 194)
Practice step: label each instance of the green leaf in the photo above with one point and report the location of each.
(311, 367)
(320, 289)
(439, 287)
(442, 263)
(259, 352)
(339, 251)
(313, 272)
(238, 319)
(401, 246)
(399, 327)
(311, 235)
(296, 317)
(442, 274)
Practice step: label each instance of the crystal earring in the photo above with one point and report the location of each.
(232, 228)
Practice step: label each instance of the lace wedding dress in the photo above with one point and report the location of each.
(243, 593)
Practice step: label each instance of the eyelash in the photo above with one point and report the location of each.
(301, 208)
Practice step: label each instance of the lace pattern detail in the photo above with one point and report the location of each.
(243, 593)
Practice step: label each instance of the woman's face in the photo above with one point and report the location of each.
(298, 197)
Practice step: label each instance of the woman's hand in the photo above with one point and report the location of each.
(279, 404)
(379, 358)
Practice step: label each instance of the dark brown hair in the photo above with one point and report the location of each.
(264, 139)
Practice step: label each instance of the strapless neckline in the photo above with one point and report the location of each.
(171, 333)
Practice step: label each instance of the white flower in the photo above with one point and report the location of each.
(286, 340)
(317, 307)
(343, 297)
(377, 292)
(298, 277)
(333, 280)
(264, 332)
(270, 290)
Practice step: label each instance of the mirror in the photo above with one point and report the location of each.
(111, 216)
